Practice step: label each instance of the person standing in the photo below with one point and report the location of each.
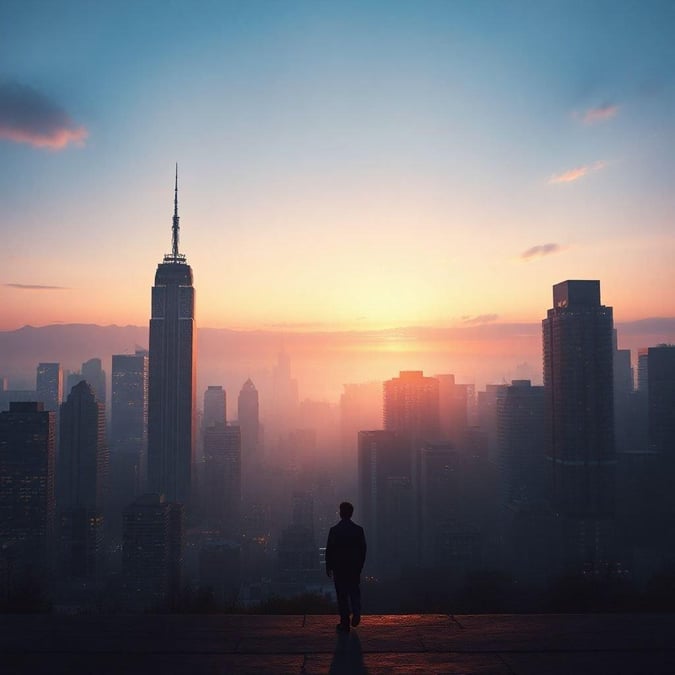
(345, 556)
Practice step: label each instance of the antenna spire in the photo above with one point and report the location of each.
(176, 219)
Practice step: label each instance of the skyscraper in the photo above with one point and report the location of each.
(128, 434)
(152, 554)
(248, 413)
(222, 455)
(27, 456)
(215, 406)
(411, 406)
(80, 482)
(171, 407)
(94, 374)
(49, 385)
(579, 413)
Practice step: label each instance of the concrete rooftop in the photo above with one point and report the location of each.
(615, 644)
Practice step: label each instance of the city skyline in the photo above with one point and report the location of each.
(343, 167)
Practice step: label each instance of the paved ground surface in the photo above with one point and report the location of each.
(612, 644)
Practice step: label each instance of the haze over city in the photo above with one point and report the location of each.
(268, 265)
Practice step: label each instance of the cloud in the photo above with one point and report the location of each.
(36, 287)
(575, 174)
(600, 114)
(27, 116)
(480, 319)
(540, 251)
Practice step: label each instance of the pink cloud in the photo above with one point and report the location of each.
(600, 114)
(577, 173)
(27, 116)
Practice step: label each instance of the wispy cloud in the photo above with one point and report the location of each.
(480, 319)
(27, 116)
(600, 114)
(577, 173)
(36, 287)
(540, 251)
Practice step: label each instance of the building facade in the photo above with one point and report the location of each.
(171, 390)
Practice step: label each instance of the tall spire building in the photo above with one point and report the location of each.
(171, 386)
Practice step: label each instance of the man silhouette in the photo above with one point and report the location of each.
(345, 555)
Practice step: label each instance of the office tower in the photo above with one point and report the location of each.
(411, 406)
(128, 434)
(387, 503)
(94, 374)
(488, 404)
(222, 456)
(171, 407)
(579, 408)
(661, 400)
(81, 474)
(27, 502)
(521, 443)
(452, 399)
(643, 370)
(49, 385)
(624, 402)
(248, 414)
(215, 407)
(152, 552)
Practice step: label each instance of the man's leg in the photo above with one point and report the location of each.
(342, 592)
(355, 598)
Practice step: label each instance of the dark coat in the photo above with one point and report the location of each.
(346, 550)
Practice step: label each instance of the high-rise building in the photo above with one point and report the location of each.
(411, 406)
(215, 407)
(521, 444)
(129, 410)
(81, 474)
(248, 414)
(579, 408)
(152, 553)
(661, 400)
(454, 411)
(386, 497)
(222, 456)
(128, 434)
(49, 385)
(94, 374)
(27, 503)
(488, 404)
(171, 406)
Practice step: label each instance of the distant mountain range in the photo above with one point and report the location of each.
(489, 351)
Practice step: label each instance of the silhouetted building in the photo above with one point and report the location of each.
(623, 397)
(488, 405)
(387, 498)
(579, 404)
(661, 400)
(411, 406)
(454, 418)
(171, 407)
(285, 398)
(49, 385)
(248, 415)
(27, 501)
(215, 406)
(643, 369)
(94, 374)
(80, 482)
(222, 456)
(521, 443)
(152, 558)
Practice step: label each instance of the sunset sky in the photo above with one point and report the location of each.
(343, 165)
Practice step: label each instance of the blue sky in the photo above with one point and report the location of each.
(342, 164)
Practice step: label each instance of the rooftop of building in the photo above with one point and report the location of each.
(501, 644)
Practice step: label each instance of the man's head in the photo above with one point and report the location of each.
(346, 510)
